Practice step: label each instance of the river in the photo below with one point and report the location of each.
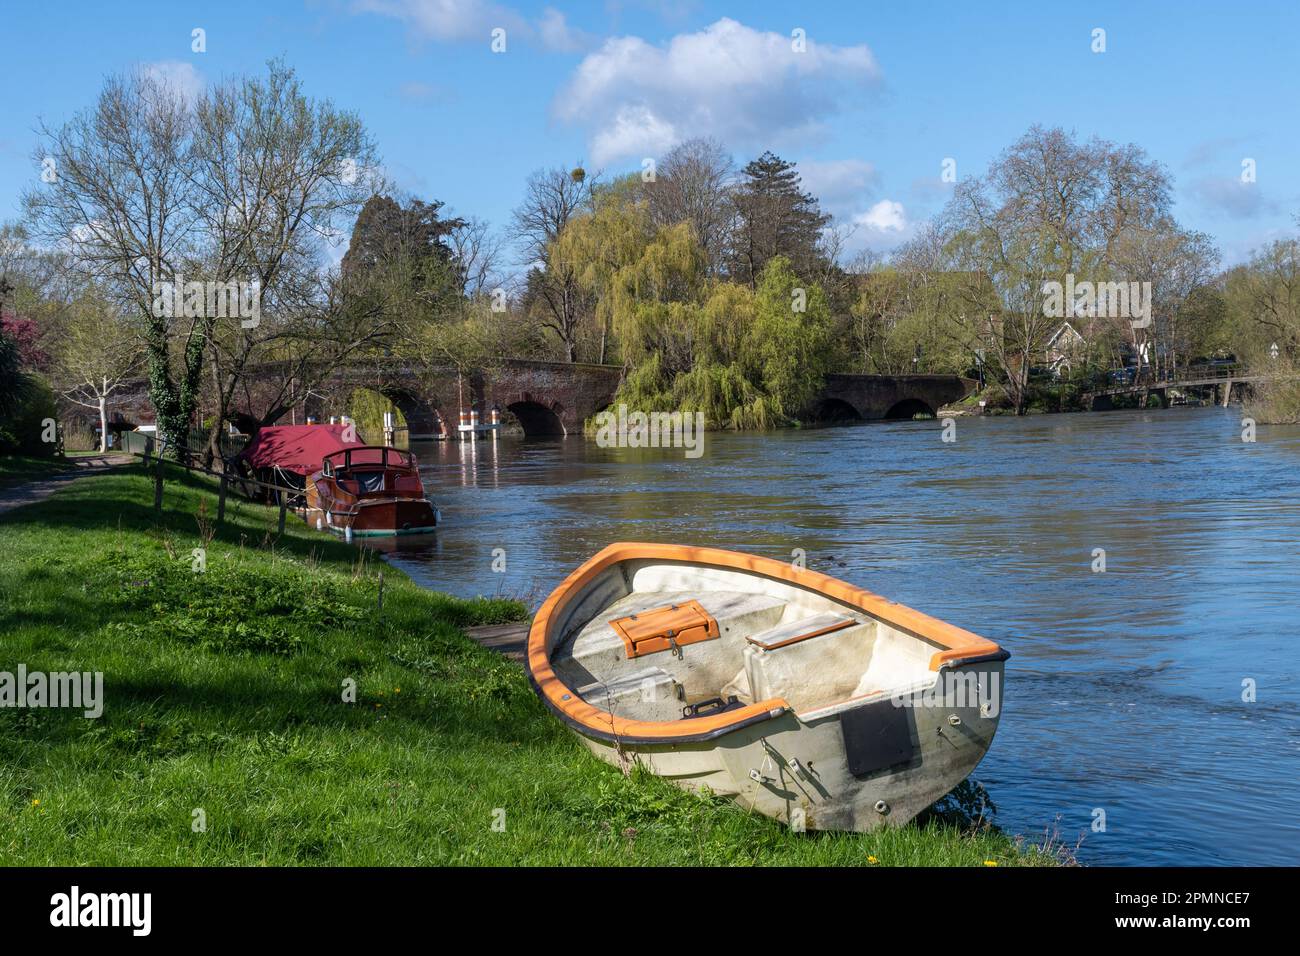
(1125, 688)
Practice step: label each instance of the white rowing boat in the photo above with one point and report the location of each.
(800, 696)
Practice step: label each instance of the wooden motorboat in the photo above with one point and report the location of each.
(800, 696)
(370, 490)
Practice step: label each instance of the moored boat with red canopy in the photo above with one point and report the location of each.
(370, 490)
(287, 455)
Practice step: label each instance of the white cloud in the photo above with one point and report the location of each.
(748, 88)
(1237, 251)
(177, 75)
(1230, 196)
(881, 228)
(633, 131)
(418, 92)
(458, 20)
(1211, 151)
(930, 188)
(886, 216)
(555, 33)
(841, 185)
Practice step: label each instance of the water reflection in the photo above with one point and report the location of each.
(1125, 687)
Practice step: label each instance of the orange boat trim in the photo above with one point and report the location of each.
(957, 645)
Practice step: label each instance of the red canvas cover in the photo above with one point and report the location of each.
(295, 448)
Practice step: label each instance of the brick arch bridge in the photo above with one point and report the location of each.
(875, 397)
(547, 398)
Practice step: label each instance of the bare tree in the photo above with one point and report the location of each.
(480, 252)
(117, 190)
(275, 173)
(237, 188)
(1177, 262)
(693, 184)
(551, 199)
(95, 350)
(1049, 207)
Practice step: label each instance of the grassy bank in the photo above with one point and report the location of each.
(224, 707)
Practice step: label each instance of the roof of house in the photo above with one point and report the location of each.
(1057, 334)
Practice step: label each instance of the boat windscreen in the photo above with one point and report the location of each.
(371, 456)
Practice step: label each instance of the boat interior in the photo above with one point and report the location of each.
(659, 640)
(374, 470)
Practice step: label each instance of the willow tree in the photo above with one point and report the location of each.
(787, 346)
(601, 252)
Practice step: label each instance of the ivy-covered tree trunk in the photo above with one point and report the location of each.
(175, 397)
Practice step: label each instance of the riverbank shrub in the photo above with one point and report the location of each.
(1274, 402)
(24, 428)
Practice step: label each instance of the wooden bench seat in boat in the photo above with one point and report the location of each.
(828, 658)
(792, 632)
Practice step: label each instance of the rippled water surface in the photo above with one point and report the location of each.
(1124, 691)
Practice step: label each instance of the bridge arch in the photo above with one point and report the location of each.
(538, 420)
(367, 405)
(834, 411)
(907, 409)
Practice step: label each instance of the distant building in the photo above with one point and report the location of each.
(1066, 348)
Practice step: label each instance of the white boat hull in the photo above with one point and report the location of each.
(828, 708)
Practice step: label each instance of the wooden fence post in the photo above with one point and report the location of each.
(157, 484)
(283, 507)
(221, 495)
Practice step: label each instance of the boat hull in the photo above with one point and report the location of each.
(802, 771)
(399, 516)
(818, 704)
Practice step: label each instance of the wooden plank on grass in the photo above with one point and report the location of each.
(507, 639)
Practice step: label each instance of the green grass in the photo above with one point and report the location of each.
(19, 469)
(224, 690)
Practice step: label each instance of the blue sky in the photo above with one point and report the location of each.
(881, 96)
